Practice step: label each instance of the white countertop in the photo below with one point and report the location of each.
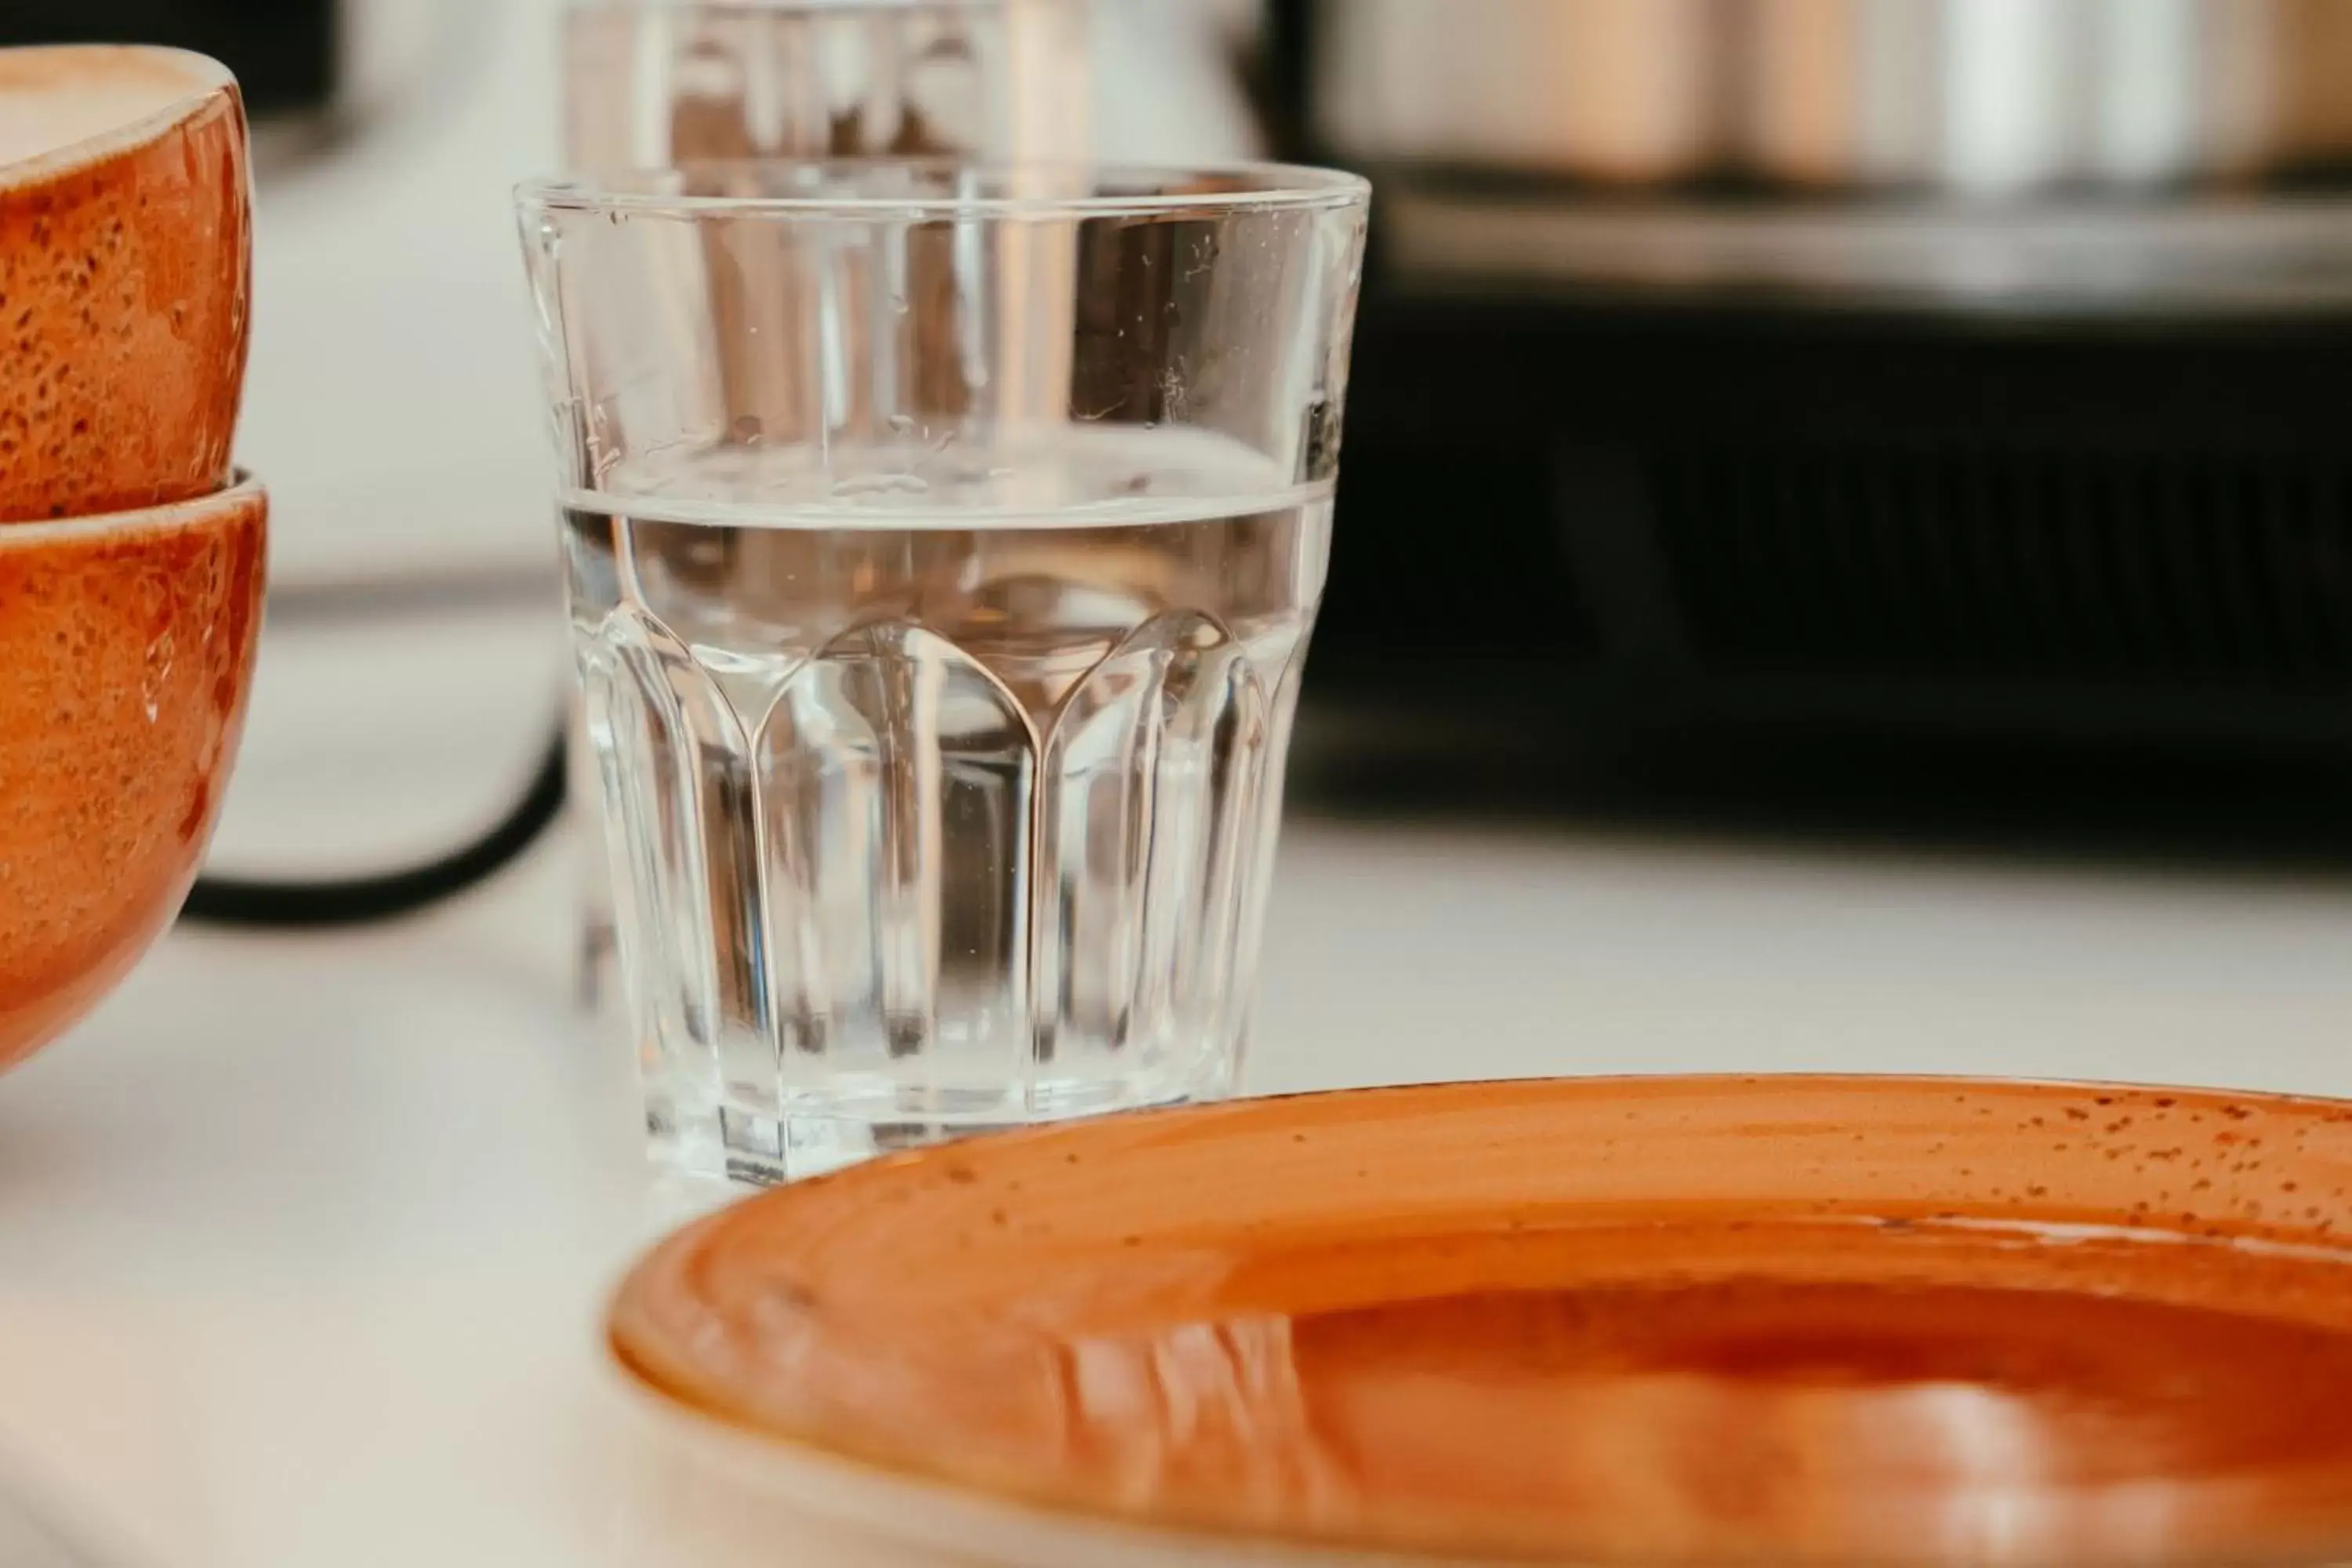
(303, 1239)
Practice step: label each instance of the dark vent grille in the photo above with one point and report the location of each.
(2150, 567)
(1449, 550)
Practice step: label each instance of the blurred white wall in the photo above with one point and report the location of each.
(1165, 90)
(390, 406)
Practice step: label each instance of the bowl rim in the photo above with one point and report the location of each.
(207, 81)
(242, 489)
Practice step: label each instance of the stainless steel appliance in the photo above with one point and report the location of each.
(1969, 367)
(1978, 96)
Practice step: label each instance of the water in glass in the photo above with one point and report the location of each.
(942, 779)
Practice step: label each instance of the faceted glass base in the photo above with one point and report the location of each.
(728, 1143)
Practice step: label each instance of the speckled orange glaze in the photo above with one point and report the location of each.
(125, 271)
(127, 643)
(1785, 1320)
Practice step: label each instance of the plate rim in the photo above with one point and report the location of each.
(751, 1453)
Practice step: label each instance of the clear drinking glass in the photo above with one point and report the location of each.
(648, 85)
(942, 543)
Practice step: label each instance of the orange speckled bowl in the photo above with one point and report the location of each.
(128, 642)
(125, 270)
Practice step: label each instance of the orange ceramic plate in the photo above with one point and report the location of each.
(1788, 1320)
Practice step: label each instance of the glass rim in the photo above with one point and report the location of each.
(1245, 187)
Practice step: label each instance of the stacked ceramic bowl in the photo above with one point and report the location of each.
(131, 554)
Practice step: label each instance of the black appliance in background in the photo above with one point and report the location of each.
(283, 51)
(1718, 472)
(2106, 530)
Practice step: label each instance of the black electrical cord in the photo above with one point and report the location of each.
(257, 904)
